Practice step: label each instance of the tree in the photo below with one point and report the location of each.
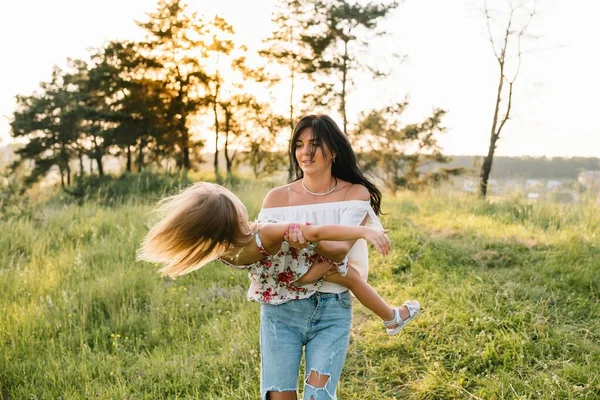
(262, 153)
(286, 48)
(50, 120)
(337, 33)
(404, 154)
(233, 130)
(239, 110)
(94, 88)
(218, 47)
(133, 106)
(507, 47)
(230, 98)
(173, 41)
(238, 124)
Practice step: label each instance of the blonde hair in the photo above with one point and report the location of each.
(199, 225)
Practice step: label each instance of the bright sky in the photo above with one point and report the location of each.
(450, 64)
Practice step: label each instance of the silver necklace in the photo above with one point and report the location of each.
(320, 194)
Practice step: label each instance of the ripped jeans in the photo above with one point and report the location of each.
(320, 324)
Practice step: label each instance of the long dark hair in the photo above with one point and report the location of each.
(345, 167)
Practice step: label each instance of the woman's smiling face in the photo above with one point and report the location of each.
(312, 154)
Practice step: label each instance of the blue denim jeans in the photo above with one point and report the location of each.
(321, 325)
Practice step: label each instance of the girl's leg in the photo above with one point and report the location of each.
(367, 296)
(314, 273)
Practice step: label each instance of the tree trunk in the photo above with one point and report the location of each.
(486, 168)
(412, 173)
(97, 155)
(291, 121)
(343, 95)
(140, 158)
(216, 161)
(186, 152)
(100, 166)
(185, 143)
(228, 160)
(68, 168)
(81, 169)
(128, 158)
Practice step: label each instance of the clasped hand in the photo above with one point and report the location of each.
(295, 238)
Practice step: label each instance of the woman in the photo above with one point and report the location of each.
(329, 188)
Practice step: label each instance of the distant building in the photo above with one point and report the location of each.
(565, 197)
(512, 183)
(553, 184)
(469, 186)
(589, 179)
(511, 186)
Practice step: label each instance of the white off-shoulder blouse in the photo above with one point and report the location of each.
(347, 212)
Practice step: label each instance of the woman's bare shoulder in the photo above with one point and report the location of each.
(356, 191)
(278, 197)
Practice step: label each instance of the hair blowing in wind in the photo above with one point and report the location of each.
(198, 225)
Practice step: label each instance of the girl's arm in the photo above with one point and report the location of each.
(272, 235)
(336, 250)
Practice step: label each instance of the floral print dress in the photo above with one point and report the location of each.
(271, 280)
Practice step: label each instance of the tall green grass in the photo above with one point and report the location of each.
(510, 292)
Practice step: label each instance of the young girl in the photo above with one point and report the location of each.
(206, 222)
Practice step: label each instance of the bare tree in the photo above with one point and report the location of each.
(507, 47)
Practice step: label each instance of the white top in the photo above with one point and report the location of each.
(347, 212)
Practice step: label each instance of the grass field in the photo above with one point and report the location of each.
(510, 291)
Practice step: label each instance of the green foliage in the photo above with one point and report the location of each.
(129, 107)
(509, 293)
(337, 31)
(285, 46)
(147, 186)
(227, 98)
(533, 167)
(88, 109)
(402, 154)
(138, 100)
(263, 154)
(263, 160)
(13, 201)
(175, 43)
(49, 119)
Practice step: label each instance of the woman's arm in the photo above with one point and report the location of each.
(272, 234)
(334, 250)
